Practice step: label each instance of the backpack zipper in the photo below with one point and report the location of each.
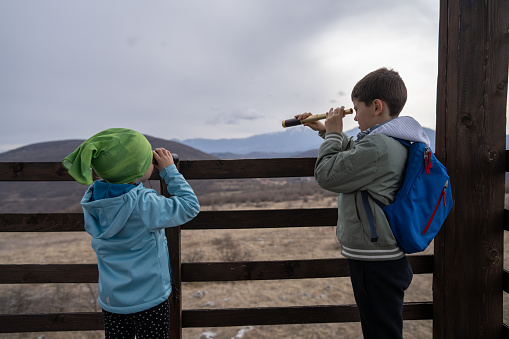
(442, 196)
(428, 159)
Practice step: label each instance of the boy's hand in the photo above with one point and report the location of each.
(334, 120)
(163, 158)
(314, 125)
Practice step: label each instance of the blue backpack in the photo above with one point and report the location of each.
(421, 204)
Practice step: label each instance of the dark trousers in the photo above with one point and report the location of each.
(379, 288)
(153, 323)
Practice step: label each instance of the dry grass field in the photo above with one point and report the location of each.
(213, 245)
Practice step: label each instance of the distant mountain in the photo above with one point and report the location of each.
(57, 150)
(292, 142)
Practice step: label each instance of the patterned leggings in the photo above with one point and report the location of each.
(153, 323)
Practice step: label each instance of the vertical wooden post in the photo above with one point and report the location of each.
(173, 236)
(471, 122)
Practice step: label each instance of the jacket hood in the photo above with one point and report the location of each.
(406, 128)
(106, 217)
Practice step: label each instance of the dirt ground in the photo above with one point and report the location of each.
(210, 245)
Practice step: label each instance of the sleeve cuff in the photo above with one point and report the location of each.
(334, 136)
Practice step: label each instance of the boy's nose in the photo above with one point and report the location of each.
(355, 117)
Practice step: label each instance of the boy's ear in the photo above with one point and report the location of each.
(378, 106)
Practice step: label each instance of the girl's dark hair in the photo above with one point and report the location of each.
(384, 84)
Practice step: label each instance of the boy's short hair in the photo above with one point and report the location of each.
(384, 84)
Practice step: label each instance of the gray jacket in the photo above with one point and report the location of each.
(375, 164)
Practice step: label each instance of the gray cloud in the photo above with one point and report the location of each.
(235, 118)
(70, 69)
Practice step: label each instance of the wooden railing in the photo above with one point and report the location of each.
(193, 272)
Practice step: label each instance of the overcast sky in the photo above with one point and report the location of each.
(202, 69)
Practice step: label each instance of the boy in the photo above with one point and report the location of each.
(375, 162)
(126, 222)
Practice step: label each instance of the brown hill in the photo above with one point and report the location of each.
(52, 197)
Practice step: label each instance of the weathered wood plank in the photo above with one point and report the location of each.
(173, 236)
(202, 272)
(285, 269)
(248, 168)
(470, 139)
(88, 321)
(33, 171)
(191, 169)
(56, 322)
(48, 273)
(247, 219)
(291, 315)
(265, 270)
(244, 219)
(41, 222)
(174, 239)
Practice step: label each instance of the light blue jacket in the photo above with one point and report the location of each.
(128, 237)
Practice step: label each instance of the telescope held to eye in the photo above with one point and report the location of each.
(296, 122)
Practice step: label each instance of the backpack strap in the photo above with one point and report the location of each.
(365, 202)
(404, 142)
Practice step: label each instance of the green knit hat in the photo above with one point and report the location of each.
(117, 155)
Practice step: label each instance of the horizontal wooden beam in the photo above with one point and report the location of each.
(248, 168)
(250, 219)
(206, 220)
(41, 222)
(33, 171)
(265, 270)
(191, 169)
(88, 321)
(48, 273)
(53, 322)
(291, 315)
(285, 269)
(202, 272)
